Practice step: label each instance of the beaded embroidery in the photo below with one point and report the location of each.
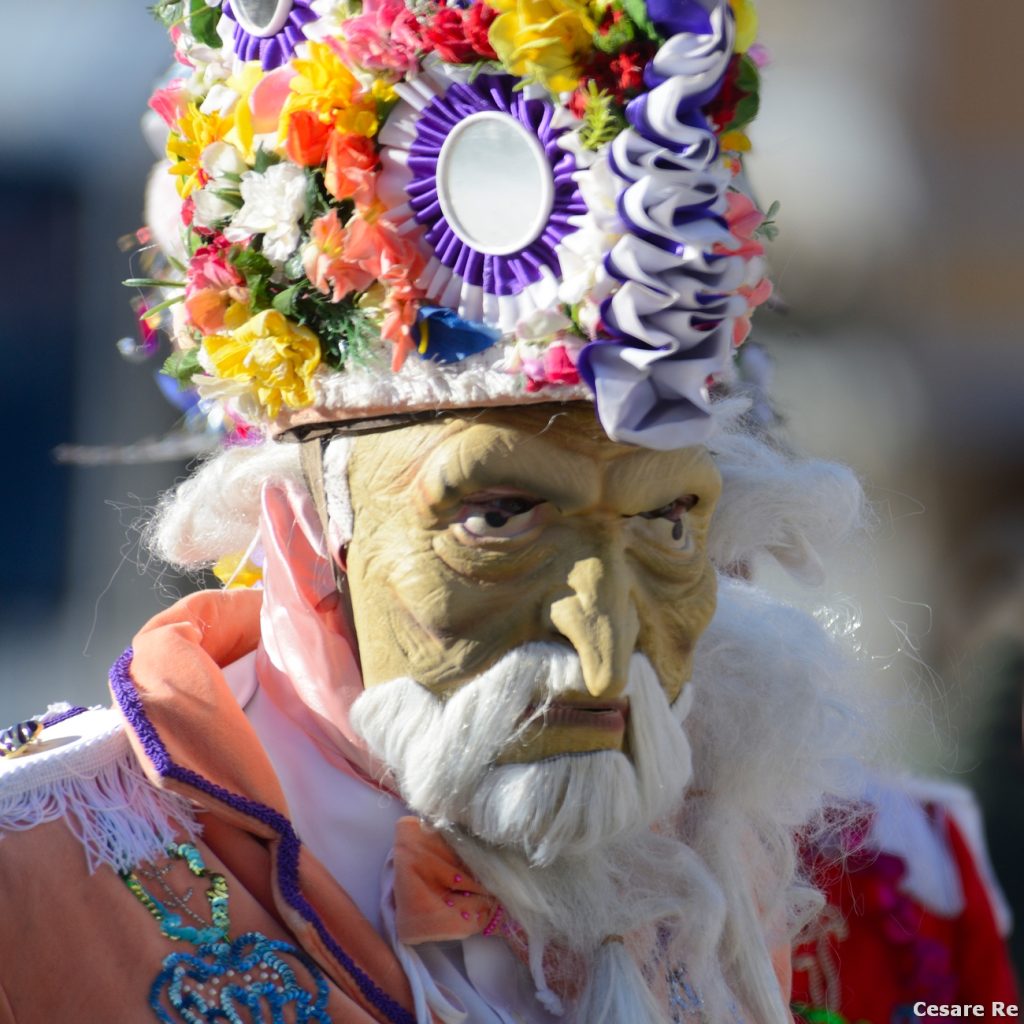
(249, 980)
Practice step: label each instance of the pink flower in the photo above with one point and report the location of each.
(385, 37)
(559, 367)
(213, 287)
(168, 102)
(743, 219)
(556, 366)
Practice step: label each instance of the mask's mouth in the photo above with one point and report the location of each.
(590, 713)
(569, 724)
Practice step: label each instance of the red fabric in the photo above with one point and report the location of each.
(888, 951)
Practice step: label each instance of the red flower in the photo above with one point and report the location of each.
(460, 36)
(621, 75)
(446, 36)
(477, 23)
(722, 108)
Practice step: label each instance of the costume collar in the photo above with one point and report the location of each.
(191, 736)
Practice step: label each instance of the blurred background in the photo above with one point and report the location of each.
(891, 136)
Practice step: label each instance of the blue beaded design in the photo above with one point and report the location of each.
(248, 980)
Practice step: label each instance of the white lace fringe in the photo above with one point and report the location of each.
(120, 818)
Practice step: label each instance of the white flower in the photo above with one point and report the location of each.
(221, 159)
(332, 14)
(600, 188)
(542, 325)
(224, 165)
(272, 205)
(210, 209)
(581, 260)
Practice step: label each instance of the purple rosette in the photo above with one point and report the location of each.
(495, 282)
(267, 31)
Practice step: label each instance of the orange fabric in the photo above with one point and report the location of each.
(177, 674)
(436, 898)
(80, 947)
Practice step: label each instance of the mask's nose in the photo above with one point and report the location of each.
(599, 619)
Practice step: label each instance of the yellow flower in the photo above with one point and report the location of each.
(195, 131)
(273, 358)
(245, 79)
(746, 23)
(233, 572)
(325, 87)
(546, 40)
(735, 142)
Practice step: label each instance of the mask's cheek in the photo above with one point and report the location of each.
(672, 620)
(439, 618)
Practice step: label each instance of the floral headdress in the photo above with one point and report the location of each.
(417, 204)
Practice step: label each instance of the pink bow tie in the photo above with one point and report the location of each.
(436, 898)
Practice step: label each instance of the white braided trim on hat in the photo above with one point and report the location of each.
(478, 381)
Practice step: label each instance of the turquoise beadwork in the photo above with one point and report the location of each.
(248, 980)
(253, 980)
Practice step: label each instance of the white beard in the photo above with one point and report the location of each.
(442, 754)
(564, 843)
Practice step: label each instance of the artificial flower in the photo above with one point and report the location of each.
(215, 292)
(445, 34)
(476, 23)
(326, 263)
(351, 168)
(306, 138)
(743, 218)
(188, 141)
(746, 24)
(461, 36)
(325, 87)
(168, 102)
(546, 40)
(241, 85)
(269, 358)
(445, 337)
(222, 166)
(542, 325)
(385, 37)
(272, 205)
(236, 571)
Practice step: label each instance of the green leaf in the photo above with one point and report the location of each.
(284, 302)
(151, 282)
(202, 20)
(170, 12)
(257, 271)
(264, 159)
(183, 366)
(748, 81)
(166, 304)
(293, 268)
(636, 11)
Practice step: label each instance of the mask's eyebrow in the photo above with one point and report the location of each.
(457, 470)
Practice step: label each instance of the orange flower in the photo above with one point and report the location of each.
(336, 259)
(351, 168)
(307, 139)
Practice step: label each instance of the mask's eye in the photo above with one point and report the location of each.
(674, 513)
(499, 516)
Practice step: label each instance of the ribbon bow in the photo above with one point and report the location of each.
(436, 898)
